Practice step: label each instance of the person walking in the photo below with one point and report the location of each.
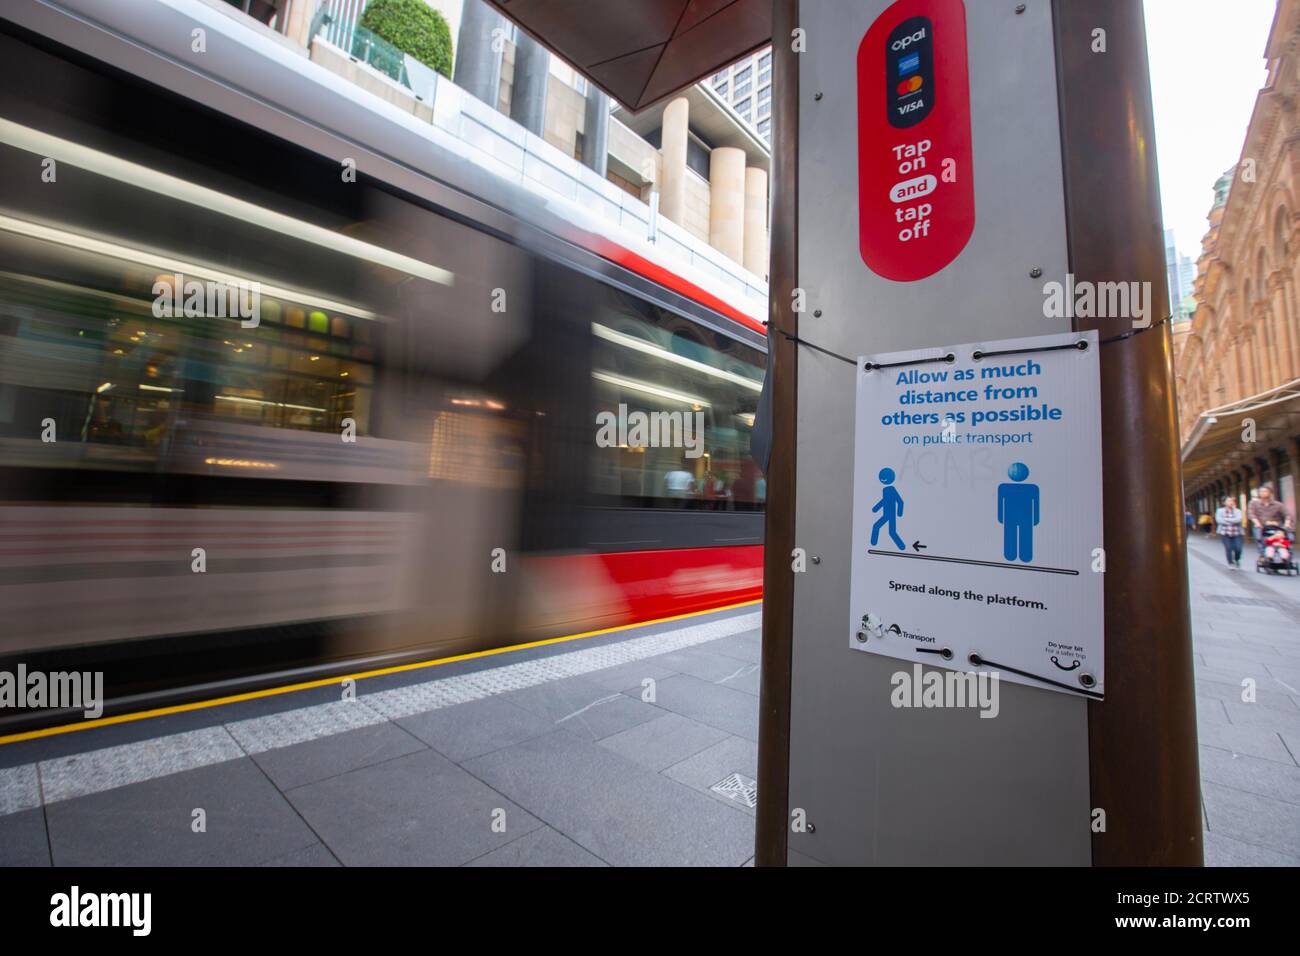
(1228, 521)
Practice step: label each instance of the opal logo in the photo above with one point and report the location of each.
(905, 42)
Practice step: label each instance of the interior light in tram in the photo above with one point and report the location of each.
(133, 174)
(258, 401)
(648, 389)
(649, 348)
(240, 463)
(154, 260)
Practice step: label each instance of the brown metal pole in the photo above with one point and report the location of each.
(1142, 738)
(771, 832)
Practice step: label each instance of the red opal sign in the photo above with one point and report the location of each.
(916, 196)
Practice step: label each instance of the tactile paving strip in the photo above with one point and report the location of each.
(63, 778)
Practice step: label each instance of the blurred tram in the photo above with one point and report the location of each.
(180, 504)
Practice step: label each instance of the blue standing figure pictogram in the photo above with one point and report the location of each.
(1018, 513)
(890, 507)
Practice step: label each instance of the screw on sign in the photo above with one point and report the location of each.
(916, 196)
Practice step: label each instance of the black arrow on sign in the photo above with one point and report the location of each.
(917, 546)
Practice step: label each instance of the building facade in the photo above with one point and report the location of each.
(1238, 360)
(695, 162)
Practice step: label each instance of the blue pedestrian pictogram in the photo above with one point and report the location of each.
(890, 507)
(1018, 513)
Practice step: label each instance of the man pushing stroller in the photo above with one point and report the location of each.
(1270, 523)
(1265, 511)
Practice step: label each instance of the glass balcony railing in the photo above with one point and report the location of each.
(380, 54)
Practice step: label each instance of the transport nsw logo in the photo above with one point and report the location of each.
(916, 197)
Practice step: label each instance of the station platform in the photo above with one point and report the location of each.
(1246, 626)
(633, 747)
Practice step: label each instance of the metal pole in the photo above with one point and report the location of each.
(772, 831)
(1142, 738)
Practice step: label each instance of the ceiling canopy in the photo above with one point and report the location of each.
(640, 51)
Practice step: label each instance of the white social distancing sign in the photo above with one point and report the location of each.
(977, 513)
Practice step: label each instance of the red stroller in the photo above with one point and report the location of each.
(1276, 552)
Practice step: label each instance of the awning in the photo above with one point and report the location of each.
(1216, 446)
(640, 51)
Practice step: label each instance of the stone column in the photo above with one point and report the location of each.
(595, 131)
(296, 19)
(1247, 361)
(1287, 300)
(1281, 466)
(477, 68)
(528, 95)
(1271, 349)
(1282, 326)
(727, 201)
(672, 191)
(1259, 371)
(1237, 350)
(755, 259)
(1293, 453)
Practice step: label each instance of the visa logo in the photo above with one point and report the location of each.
(914, 105)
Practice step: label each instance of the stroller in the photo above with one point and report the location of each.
(1277, 552)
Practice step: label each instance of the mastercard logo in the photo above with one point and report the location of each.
(909, 85)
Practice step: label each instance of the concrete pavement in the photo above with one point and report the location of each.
(1246, 628)
(631, 748)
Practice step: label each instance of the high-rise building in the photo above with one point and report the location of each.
(1181, 273)
(1186, 275)
(746, 86)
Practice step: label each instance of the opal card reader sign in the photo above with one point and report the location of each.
(916, 194)
(977, 513)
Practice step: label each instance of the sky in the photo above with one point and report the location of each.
(1207, 65)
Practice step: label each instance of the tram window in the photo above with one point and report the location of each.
(110, 372)
(675, 411)
(279, 377)
(159, 187)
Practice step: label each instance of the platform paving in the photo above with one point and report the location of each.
(632, 748)
(588, 753)
(1246, 627)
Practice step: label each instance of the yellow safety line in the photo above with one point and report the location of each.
(327, 681)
